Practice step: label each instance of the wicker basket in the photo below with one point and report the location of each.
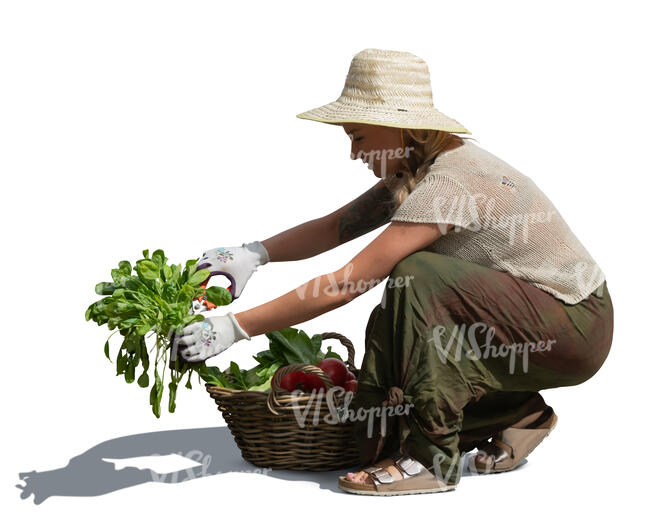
(267, 430)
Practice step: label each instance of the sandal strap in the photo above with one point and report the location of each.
(497, 449)
(405, 466)
(520, 440)
(408, 466)
(379, 475)
(504, 447)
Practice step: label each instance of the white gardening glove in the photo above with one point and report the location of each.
(202, 340)
(235, 263)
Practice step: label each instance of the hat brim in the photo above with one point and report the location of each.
(337, 113)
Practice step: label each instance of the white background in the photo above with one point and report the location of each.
(127, 125)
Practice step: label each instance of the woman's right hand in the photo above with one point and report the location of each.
(235, 263)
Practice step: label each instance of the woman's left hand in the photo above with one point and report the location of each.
(201, 340)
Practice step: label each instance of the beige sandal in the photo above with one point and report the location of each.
(400, 475)
(509, 448)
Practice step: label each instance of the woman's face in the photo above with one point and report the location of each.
(378, 146)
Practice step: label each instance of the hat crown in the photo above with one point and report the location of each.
(388, 88)
(390, 79)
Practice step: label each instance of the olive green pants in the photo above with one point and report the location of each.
(465, 350)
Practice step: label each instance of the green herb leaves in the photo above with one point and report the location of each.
(149, 301)
(151, 297)
(218, 296)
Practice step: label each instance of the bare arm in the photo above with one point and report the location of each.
(329, 291)
(370, 210)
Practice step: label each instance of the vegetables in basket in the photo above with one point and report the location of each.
(286, 346)
(336, 370)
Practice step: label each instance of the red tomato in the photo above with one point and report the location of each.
(350, 377)
(294, 380)
(336, 370)
(313, 382)
(351, 386)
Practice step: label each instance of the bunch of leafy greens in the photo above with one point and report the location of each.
(152, 299)
(286, 346)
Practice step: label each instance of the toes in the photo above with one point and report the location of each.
(359, 477)
(484, 459)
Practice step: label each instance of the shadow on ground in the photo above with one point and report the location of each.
(214, 450)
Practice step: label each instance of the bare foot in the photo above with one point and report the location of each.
(483, 459)
(360, 477)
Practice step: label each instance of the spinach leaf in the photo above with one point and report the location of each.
(333, 354)
(218, 296)
(198, 277)
(213, 376)
(147, 269)
(172, 396)
(295, 345)
(143, 380)
(106, 350)
(237, 376)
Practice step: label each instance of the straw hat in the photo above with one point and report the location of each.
(385, 87)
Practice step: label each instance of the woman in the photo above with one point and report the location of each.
(490, 296)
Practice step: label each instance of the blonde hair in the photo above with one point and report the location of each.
(424, 145)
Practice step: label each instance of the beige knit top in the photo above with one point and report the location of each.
(503, 221)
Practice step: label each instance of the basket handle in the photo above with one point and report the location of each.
(279, 400)
(346, 342)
